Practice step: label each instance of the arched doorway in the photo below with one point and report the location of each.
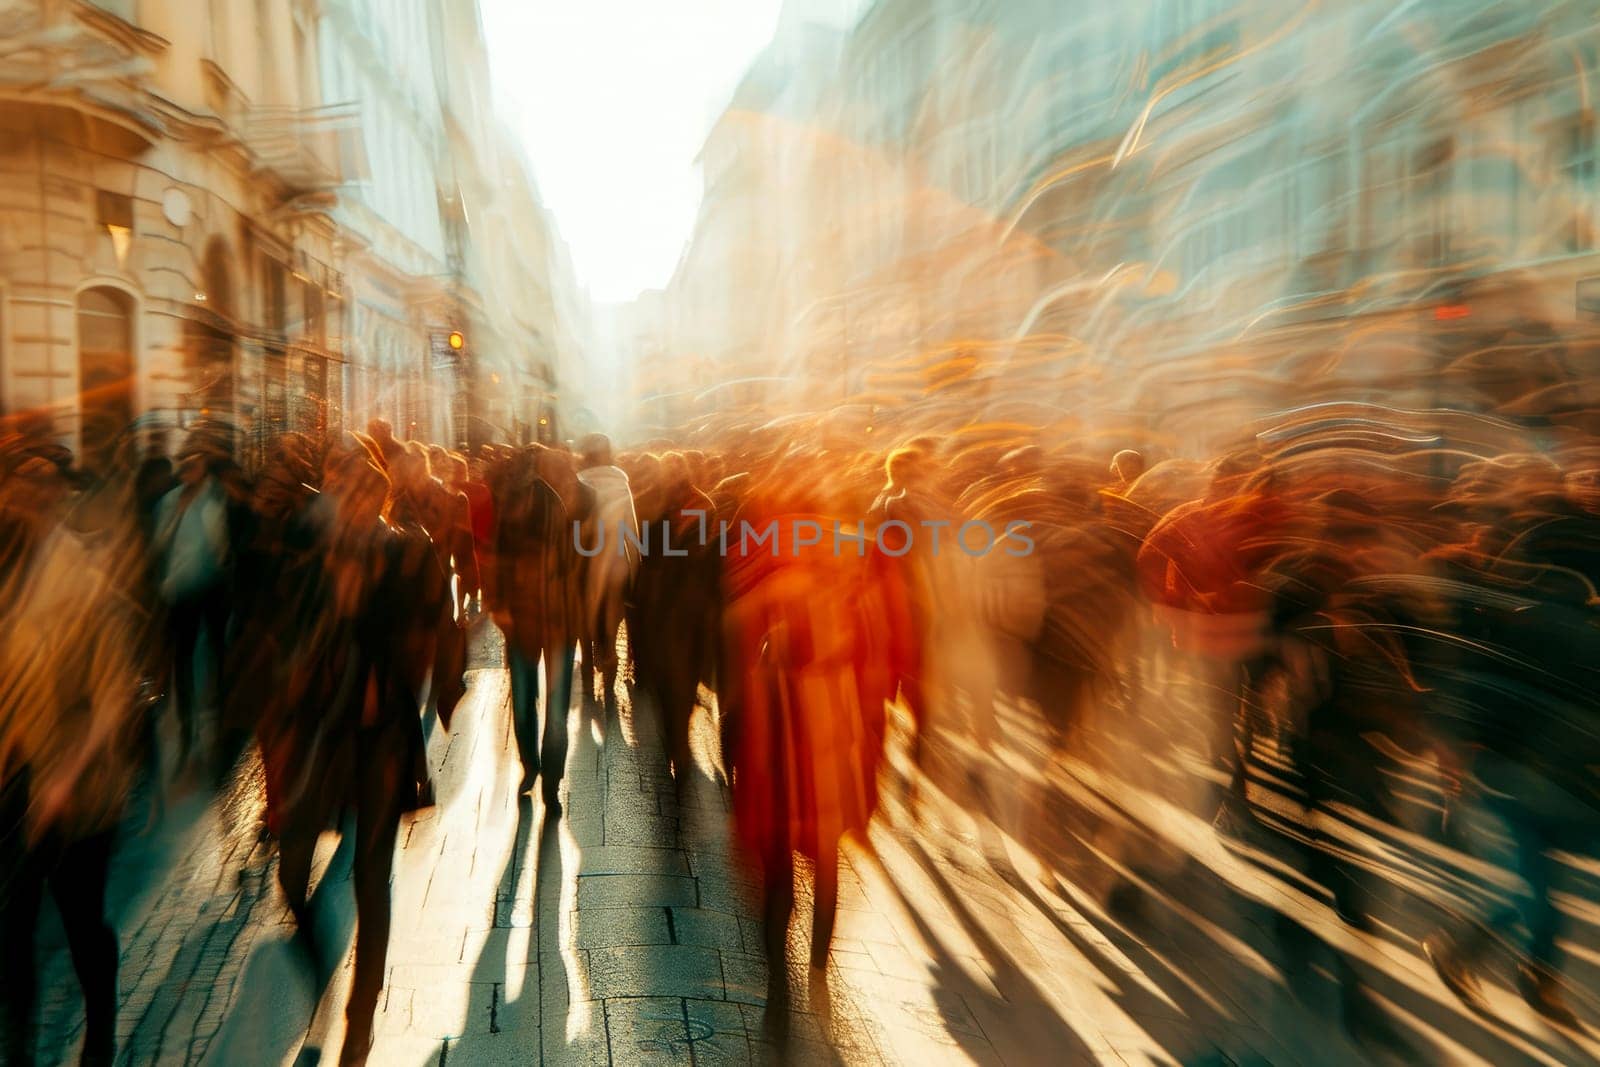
(105, 370)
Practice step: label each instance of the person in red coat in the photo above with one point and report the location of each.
(1203, 556)
(816, 642)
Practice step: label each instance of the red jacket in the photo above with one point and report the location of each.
(480, 503)
(1206, 556)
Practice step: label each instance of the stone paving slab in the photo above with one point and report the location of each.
(619, 859)
(665, 970)
(616, 927)
(636, 890)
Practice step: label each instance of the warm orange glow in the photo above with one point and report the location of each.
(1451, 311)
(457, 341)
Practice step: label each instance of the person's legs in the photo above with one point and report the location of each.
(524, 712)
(449, 669)
(377, 826)
(1339, 768)
(777, 906)
(217, 611)
(207, 695)
(678, 692)
(419, 759)
(592, 650)
(606, 657)
(1533, 908)
(1456, 951)
(22, 878)
(186, 619)
(79, 887)
(826, 901)
(1245, 721)
(296, 847)
(587, 678)
(1239, 721)
(20, 985)
(557, 698)
(1538, 980)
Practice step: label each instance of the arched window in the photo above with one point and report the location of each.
(105, 368)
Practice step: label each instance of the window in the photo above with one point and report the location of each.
(1438, 189)
(105, 370)
(314, 395)
(272, 299)
(1579, 170)
(315, 326)
(114, 211)
(210, 337)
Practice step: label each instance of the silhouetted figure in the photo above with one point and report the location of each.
(68, 726)
(535, 593)
(192, 541)
(1520, 689)
(607, 573)
(671, 631)
(347, 733)
(814, 646)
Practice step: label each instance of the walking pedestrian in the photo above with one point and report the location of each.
(192, 549)
(68, 719)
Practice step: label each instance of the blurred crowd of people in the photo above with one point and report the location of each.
(1361, 588)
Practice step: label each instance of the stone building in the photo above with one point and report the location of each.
(165, 246)
(243, 211)
(1089, 206)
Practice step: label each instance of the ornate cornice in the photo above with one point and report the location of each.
(219, 82)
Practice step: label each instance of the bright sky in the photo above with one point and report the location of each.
(613, 99)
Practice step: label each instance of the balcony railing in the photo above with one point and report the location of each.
(308, 150)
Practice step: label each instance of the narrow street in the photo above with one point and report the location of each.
(1122, 481)
(626, 933)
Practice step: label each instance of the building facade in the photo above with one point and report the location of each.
(1089, 207)
(242, 211)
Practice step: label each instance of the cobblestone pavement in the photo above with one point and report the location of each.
(1091, 915)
